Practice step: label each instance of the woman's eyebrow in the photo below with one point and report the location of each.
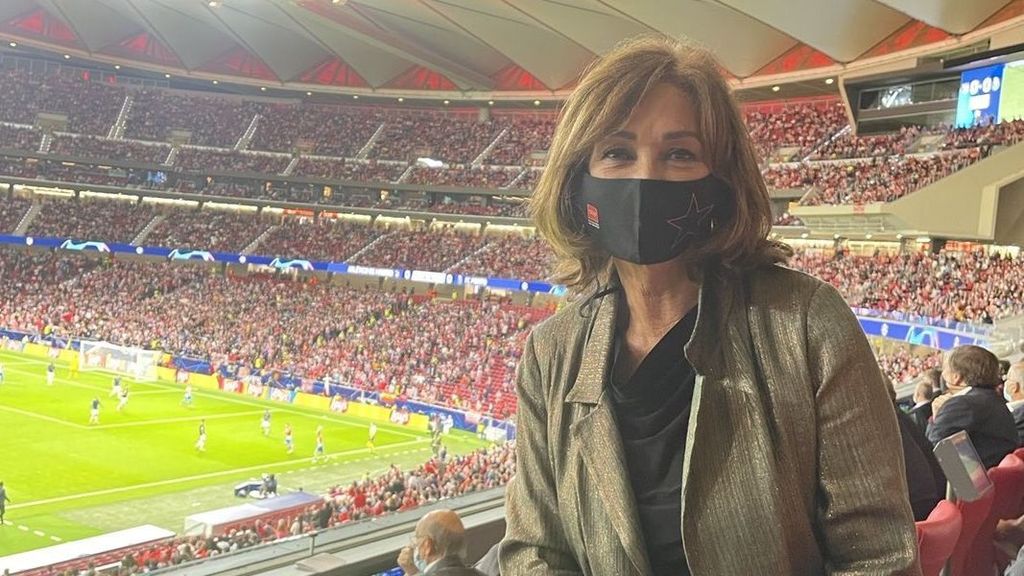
(673, 135)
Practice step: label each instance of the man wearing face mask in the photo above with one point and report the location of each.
(437, 547)
(1013, 391)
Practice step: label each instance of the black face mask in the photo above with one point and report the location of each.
(649, 221)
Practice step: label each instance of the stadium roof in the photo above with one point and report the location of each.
(494, 46)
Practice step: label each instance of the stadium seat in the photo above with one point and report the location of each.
(973, 515)
(1007, 480)
(937, 536)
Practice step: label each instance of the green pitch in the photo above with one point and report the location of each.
(68, 479)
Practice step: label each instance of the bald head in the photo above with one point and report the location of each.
(441, 533)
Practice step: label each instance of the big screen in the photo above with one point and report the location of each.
(1011, 103)
(979, 96)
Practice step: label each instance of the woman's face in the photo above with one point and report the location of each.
(658, 142)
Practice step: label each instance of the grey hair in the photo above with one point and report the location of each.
(447, 540)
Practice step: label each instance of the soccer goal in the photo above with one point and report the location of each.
(135, 363)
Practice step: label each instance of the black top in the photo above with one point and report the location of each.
(653, 410)
(926, 484)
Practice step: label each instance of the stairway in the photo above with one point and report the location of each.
(45, 143)
(141, 236)
(290, 167)
(172, 156)
(828, 140)
(405, 175)
(479, 250)
(364, 152)
(519, 178)
(27, 219)
(116, 131)
(366, 248)
(246, 137)
(251, 247)
(479, 160)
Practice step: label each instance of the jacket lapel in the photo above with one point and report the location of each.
(704, 352)
(597, 434)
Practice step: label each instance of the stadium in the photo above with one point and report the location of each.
(274, 281)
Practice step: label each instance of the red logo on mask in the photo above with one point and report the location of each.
(593, 218)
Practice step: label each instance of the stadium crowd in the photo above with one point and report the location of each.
(395, 490)
(207, 161)
(882, 179)
(963, 286)
(316, 129)
(323, 239)
(461, 175)
(107, 220)
(421, 250)
(510, 256)
(105, 149)
(19, 138)
(525, 134)
(873, 168)
(451, 137)
(799, 126)
(438, 352)
(11, 213)
(849, 146)
(207, 120)
(89, 106)
(207, 230)
(345, 169)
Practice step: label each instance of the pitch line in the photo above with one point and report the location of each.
(173, 420)
(261, 467)
(43, 417)
(229, 397)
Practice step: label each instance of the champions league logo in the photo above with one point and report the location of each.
(203, 255)
(83, 246)
(289, 264)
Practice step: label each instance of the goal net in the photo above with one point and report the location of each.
(135, 363)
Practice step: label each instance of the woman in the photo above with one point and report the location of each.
(700, 410)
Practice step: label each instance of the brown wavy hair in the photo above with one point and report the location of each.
(601, 104)
(978, 367)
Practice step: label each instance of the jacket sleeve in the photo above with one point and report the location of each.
(534, 542)
(863, 511)
(956, 415)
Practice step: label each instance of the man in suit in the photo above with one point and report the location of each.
(1013, 391)
(921, 413)
(438, 547)
(973, 405)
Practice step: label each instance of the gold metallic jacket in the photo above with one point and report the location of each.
(793, 463)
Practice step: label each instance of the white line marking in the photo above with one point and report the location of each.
(227, 397)
(23, 528)
(56, 538)
(39, 533)
(196, 477)
(42, 417)
(173, 420)
(69, 382)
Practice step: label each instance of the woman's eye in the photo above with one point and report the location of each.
(682, 154)
(615, 154)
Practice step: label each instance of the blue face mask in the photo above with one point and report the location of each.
(419, 561)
